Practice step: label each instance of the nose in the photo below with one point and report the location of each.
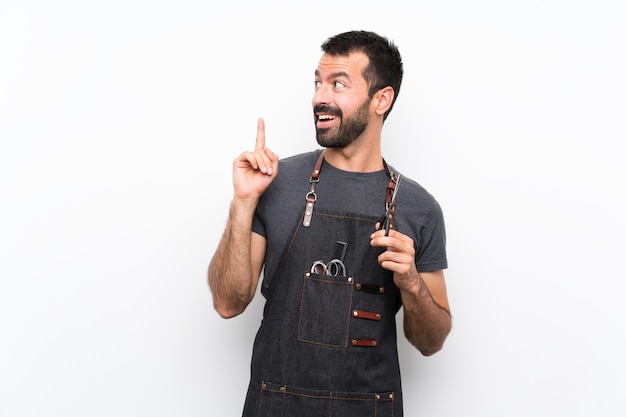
(321, 95)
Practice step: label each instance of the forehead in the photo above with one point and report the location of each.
(351, 65)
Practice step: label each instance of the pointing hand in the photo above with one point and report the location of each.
(254, 171)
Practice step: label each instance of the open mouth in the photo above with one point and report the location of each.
(325, 120)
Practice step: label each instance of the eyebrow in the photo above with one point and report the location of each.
(337, 74)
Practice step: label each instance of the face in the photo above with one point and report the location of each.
(341, 105)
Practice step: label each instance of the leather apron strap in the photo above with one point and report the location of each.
(311, 197)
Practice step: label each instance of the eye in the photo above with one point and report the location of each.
(339, 84)
(317, 84)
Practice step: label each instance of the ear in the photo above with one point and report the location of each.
(383, 99)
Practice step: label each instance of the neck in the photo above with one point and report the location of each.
(362, 155)
(354, 160)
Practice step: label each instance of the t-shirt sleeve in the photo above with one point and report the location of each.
(257, 225)
(431, 250)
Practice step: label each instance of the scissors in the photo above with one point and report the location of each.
(335, 267)
(385, 220)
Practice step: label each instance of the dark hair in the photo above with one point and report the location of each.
(385, 63)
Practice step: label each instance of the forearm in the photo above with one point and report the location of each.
(230, 272)
(426, 324)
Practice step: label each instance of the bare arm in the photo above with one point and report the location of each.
(236, 265)
(427, 319)
(234, 270)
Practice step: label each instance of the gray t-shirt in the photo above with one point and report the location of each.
(281, 206)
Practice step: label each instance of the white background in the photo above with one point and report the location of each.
(119, 121)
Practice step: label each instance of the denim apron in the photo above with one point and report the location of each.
(327, 343)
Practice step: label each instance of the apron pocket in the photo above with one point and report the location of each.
(325, 310)
(282, 400)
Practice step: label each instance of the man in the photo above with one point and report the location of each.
(344, 241)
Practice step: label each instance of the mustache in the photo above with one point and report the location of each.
(333, 111)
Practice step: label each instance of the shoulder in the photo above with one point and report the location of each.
(412, 190)
(302, 161)
(294, 173)
(415, 199)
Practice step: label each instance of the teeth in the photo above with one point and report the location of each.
(326, 117)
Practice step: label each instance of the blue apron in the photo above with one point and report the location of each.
(327, 343)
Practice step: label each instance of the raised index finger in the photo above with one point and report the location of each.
(260, 135)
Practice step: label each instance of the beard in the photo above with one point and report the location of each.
(349, 129)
